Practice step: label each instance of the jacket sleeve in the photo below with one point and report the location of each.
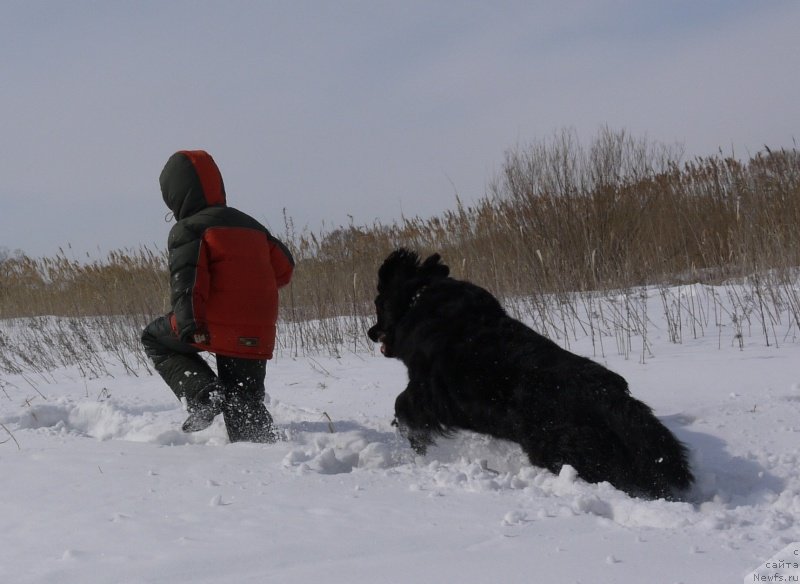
(188, 281)
(282, 261)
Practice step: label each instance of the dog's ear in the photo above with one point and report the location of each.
(401, 264)
(402, 257)
(433, 266)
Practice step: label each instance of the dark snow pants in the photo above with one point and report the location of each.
(190, 377)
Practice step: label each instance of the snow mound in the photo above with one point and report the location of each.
(107, 420)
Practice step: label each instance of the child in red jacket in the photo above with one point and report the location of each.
(225, 272)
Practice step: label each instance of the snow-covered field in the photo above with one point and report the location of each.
(99, 486)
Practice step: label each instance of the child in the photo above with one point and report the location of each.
(225, 271)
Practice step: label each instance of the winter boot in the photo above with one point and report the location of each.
(204, 408)
(247, 420)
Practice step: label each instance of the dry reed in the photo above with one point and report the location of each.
(571, 237)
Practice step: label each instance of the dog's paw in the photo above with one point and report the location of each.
(419, 441)
(419, 449)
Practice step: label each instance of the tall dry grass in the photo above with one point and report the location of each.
(568, 235)
(560, 217)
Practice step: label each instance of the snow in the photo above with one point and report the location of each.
(100, 486)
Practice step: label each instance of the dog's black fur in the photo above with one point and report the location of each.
(473, 367)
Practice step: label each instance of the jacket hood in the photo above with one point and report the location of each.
(190, 182)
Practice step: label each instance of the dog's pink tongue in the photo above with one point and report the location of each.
(383, 348)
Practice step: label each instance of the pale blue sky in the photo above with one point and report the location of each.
(365, 109)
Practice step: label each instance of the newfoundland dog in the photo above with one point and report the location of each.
(473, 367)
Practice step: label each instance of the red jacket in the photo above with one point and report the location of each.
(225, 267)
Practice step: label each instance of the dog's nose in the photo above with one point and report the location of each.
(373, 334)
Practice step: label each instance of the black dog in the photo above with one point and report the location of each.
(473, 367)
